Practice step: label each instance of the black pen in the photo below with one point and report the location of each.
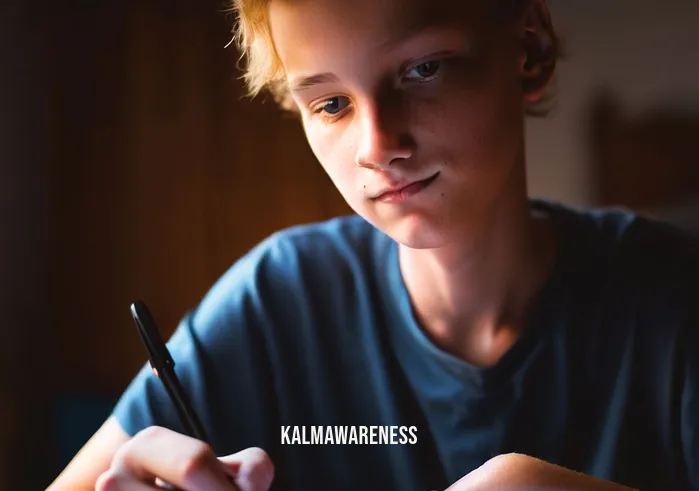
(164, 368)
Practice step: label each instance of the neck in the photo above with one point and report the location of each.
(471, 296)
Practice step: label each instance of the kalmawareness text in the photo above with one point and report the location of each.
(349, 435)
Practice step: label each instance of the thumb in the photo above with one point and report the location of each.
(252, 469)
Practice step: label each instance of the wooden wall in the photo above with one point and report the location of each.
(154, 175)
(25, 236)
(645, 160)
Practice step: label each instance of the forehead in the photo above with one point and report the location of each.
(308, 32)
(386, 15)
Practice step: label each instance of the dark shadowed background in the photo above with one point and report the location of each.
(131, 167)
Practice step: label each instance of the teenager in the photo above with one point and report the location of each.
(529, 345)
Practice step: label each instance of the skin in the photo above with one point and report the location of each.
(516, 472)
(419, 87)
(111, 461)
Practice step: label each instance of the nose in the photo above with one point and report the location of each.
(383, 139)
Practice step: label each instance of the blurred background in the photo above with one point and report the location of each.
(132, 167)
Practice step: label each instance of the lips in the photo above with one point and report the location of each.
(397, 195)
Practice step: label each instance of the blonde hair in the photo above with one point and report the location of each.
(263, 69)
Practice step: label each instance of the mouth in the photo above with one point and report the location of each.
(399, 195)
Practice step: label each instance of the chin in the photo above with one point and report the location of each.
(416, 232)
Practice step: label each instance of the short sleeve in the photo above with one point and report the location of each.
(220, 354)
(261, 349)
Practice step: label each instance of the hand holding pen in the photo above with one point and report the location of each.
(156, 456)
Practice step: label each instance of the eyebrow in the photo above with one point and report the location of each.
(304, 83)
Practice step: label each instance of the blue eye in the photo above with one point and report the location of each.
(335, 104)
(423, 71)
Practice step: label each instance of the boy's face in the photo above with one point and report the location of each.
(421, 92)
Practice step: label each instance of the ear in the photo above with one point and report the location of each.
(539, 50)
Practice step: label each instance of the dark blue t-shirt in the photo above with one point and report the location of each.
(314, 329)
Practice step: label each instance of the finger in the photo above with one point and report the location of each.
(252, 468)
(184, 462)
(115, 481)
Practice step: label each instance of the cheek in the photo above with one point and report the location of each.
(482, 132)
(334, 152)
(483, 111)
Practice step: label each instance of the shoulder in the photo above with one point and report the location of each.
(638, 247)
(294, 269)
(297, 253)
(633, 262)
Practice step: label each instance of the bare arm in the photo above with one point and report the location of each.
(512, 472)
(92, 460)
